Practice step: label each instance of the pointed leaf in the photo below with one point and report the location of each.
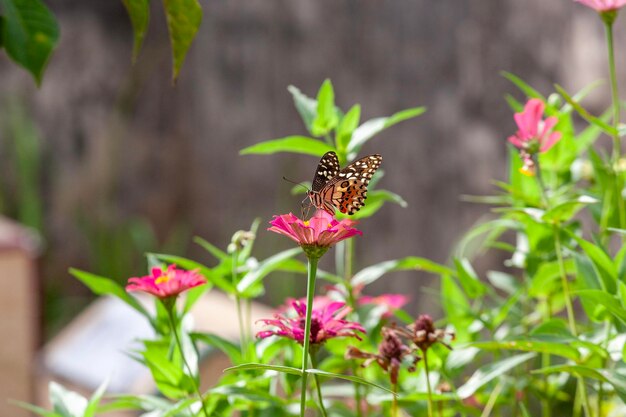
(294, 144)
(263, 367)
(30, 32)
(94, 401)
(468, 278)
(529, 345)
(602, 263)
(351, 378)
(347, 125)
(35, 409)
(183, 21)
(105, 286)
(326, 116)
(585, 114)
(212, 249)
(263, 268)
(65, 402)
(372, 127)
(618, 381)
(606, 300)
(372, 273)
(521, 84)
(491, 371)
(306, 106)
(139, 13)
(229, 348)
(565, 211)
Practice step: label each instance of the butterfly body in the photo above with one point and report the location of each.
(346, 189)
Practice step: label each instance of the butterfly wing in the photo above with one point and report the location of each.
(348, 190)
(327, 169)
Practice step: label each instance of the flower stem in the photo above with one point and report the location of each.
(394, 401)
(310, 292)
(242, 335)
(346, 269)
(568, 297)
(608, 26)
(318, 386)
(428, 387)
(196, 386)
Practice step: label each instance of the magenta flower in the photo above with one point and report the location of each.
(326, 322)
(534, 135)
(315, 235)
(391, 302)
(166, 284)
(601, 6)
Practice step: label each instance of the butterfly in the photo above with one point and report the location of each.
(345, 190)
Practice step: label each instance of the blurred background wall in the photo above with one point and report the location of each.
(109, 160)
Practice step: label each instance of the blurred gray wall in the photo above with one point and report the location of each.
(120, 141)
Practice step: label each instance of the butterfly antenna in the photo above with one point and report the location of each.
(296, 183)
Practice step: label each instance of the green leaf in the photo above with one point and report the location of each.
(525, 88)
(306, 106)
(618, 381)
(326, 118)
(264, 268)
(294, 144)
(585, 114)
(373, 127)
(65, 402)
(35, 409)
(260, 366)
(139, 13)
(167, 371)
(588, 136)
(557, 347)
(183, 21)
(347, 125)
(372, 273)
(213, 250)
(229, 348)
(491, 371)
(565, 211)
(94, 401)
(105, 286)
(468, 278)
(546, 279)
(602, 263)
(606, 300)
(30, 33)
(351, 378)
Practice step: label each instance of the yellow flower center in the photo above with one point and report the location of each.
(306, 222)
(529, 172)
(162, 279)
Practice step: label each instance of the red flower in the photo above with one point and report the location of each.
(165, 284)
(321, 231)
(603, 5)
(326, 322)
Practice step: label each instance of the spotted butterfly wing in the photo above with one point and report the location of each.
(327, 169)
(346, 190)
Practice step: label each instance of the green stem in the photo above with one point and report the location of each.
(318, 385)
(608, 26)
(348, 259)
(568, 297)
(607, 335)
(428, 387)
(242, 335)
(310, 292)
(170, 314)
(394, 401)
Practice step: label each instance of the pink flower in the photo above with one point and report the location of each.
(321, 231)
(391, 302)
(326, 322)
(534, 134)
(165, 284)
(603, 5)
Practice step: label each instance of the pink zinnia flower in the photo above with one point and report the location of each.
(326, 323)
(166, 283)
(391, 302)
(603, 5)
(319, 232)
(534, 134)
